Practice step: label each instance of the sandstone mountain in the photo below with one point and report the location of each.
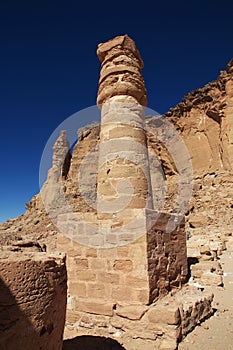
(204, 120)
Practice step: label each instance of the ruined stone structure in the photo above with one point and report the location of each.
(130, 258)
(126, 288)
(33, 301)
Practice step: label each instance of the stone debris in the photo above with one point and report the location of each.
(166, 321)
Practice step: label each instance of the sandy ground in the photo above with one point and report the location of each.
(216, 333)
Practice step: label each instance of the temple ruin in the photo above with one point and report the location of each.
(124, 255)
(118, 208)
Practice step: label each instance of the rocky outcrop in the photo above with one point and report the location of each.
(52, 192)
(204, 120)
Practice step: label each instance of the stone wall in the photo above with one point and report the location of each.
(136, 273)
(160, 325)
(33, 301)
(99, 278)
(167, 256)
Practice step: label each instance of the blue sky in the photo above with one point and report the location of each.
(49, 68)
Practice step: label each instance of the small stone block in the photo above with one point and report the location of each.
(168, 344)
(165, 314)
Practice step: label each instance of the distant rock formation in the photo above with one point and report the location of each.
(204, 119)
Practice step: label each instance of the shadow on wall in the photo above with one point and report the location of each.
(32, 303)
(88, 342)
(14, 324)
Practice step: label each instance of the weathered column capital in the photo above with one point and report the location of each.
(121, 70)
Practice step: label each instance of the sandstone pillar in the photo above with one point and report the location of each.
(124, 185)
(129, 258)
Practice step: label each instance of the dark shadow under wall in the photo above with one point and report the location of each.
(87, 342)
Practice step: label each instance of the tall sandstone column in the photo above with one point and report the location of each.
(124, 196)
(131, 259)
(124, 185)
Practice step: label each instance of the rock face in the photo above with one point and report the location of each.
(33, 301)
(52, 192)
(204, 119)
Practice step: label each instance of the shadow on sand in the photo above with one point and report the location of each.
(87, 342)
